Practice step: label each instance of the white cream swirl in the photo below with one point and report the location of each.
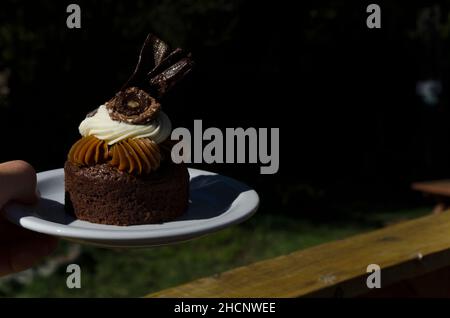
(104, 128)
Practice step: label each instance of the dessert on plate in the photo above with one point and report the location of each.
(120, 172)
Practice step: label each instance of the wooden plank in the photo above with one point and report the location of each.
(437, 187)
(338, 268)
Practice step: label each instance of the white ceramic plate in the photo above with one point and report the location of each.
(215, 202)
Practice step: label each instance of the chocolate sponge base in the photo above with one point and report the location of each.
(103, 194)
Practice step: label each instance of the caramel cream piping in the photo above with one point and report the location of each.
(132, 155)
(88, 150)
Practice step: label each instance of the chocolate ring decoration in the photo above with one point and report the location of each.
(159, 68)
(133, 106)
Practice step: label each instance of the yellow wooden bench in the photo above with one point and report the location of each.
(414, 257)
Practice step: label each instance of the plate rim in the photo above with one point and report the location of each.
(199, 228)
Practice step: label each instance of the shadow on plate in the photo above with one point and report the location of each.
(210, 196)
(53, 211)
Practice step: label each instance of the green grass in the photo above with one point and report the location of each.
(136, 272)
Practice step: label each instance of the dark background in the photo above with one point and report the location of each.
(354, 131)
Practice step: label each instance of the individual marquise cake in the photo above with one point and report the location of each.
(120, 172)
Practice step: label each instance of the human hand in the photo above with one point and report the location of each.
(20, 248)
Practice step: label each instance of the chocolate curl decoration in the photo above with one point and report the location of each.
(159, 68)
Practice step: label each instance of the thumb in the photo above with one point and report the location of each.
(17, 182)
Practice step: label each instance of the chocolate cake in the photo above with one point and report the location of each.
(120, 172)
(104, 194)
